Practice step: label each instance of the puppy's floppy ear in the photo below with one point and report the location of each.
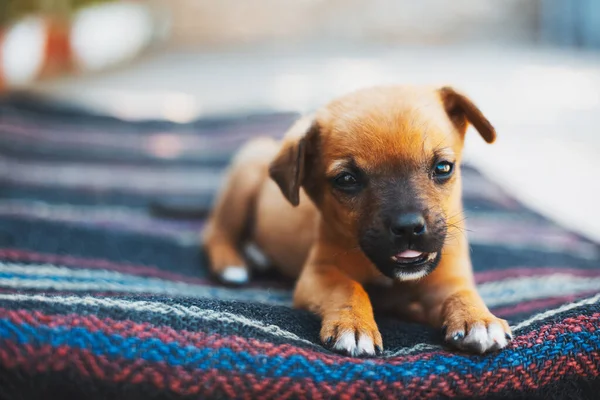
(288, 168)
(462, 111)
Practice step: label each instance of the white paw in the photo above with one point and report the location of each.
(480, 338)
(235, 274)
(256, 257)
(347, 343)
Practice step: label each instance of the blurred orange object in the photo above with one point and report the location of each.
(58, 55)
(95, 38)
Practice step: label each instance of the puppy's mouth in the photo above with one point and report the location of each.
(409, 265)
(412, 258)
(401, 263)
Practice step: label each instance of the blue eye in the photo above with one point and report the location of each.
(443, 170)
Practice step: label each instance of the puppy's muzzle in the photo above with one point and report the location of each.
(408, 226)
(408, 230)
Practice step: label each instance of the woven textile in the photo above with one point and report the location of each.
(99, 299)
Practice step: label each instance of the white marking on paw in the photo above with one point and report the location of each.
(497, 335)
(235, 274)
(477, 338)
(365, 345)
(346, 342)
(256, 256)
(481, 339)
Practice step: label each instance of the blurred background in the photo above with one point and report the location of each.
(533, 66)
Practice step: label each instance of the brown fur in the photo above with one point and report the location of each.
(319, 235)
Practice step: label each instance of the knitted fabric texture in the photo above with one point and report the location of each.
(99, 299)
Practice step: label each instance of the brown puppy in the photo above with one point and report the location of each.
(366, 190)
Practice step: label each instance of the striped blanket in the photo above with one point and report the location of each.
(100, 298)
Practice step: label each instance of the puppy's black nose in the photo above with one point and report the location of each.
(408, 225)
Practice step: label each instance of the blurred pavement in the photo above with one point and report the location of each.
(544, 103)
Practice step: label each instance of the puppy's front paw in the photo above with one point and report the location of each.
(351, 336)
(234, 275)
(476, 331)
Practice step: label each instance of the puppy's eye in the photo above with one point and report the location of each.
(443, 170)
(346, 181)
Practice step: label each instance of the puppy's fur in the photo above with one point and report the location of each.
(366, 190)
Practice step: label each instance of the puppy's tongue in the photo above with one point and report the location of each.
(409, 254)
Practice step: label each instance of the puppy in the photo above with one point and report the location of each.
(366, 190)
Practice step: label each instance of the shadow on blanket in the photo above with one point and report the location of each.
(101, 299)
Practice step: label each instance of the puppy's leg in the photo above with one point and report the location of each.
(450, 300)
(347, 325)
(232, 211)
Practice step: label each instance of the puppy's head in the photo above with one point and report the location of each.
(382, 166)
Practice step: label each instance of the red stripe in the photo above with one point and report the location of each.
(204, 383)
(128, 328)
(497, 275)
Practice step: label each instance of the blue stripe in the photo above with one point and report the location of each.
(295, 366)
(100, 276)
(68, 278)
